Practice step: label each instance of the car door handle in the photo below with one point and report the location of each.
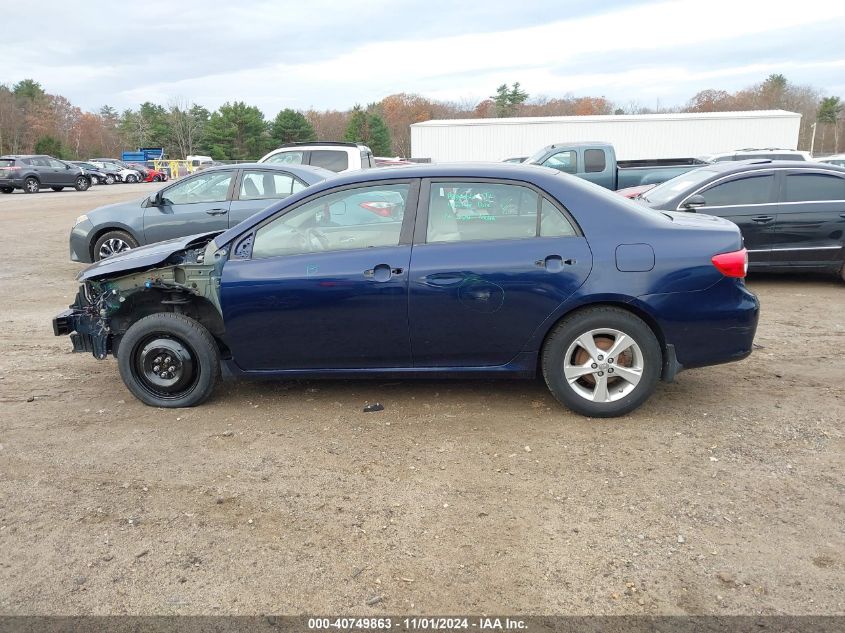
(554, 263)
(382, 272)
(763, 219)
(217, 211)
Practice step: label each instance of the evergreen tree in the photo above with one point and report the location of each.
(290, 126)
(236, 132)
(49, 145)
(507, 100)
(370, 129)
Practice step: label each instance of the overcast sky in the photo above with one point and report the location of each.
(335, 53)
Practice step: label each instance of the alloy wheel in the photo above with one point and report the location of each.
(113, 246)
(603, 365)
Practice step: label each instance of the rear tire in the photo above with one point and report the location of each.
(169, 360)
(111, 243)
(7, 189)
(585, 378)
(31, 185)
(82, 184)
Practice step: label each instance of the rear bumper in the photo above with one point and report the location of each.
(707, 327)
(11, 182)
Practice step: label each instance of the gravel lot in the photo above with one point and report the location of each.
(723, 495)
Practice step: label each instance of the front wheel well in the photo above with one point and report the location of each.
(153, 301)
(108, 229)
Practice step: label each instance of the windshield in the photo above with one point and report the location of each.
(664, 192)
(536, 156)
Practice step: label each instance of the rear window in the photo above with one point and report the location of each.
(330, 159)
(814, 187)
(7, 162)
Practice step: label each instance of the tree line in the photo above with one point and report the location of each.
(34, 121)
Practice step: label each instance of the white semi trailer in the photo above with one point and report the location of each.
(635, 137)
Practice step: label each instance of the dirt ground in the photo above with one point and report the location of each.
(722, 495)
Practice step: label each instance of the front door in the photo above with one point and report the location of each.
(811, 220)
(750, 202)
(259, 188)
(485, 273)
(324, 285)
(192, 205)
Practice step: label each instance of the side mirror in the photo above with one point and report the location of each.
(693, 202)
(154, 200)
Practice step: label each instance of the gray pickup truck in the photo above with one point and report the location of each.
(597, 163)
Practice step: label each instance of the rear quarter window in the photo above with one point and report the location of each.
(330, 159)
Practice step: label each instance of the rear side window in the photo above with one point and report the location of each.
(594, 160)
(748, 190)
(814, 187)
(266, 185)
(332, 160)
(6, 162)
(552, 221)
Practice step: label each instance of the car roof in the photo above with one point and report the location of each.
(738, 166)
(306, 172)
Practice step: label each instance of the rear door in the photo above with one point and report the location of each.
(196, 204)
(486, 271)
(811, 219)
(749, 201)
(257, 189)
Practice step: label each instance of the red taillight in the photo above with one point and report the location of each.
(384, 209)
(733, 264)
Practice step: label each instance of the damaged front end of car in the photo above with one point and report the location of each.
(119, 291)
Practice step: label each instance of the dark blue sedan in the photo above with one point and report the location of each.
(428, 271)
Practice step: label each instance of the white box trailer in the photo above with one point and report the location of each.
(640, 136)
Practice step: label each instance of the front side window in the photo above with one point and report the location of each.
(361, 217)
(468, 211)
(265, 185)
(207, 187)
(814, 187)
(566, 162)
(57, 164)
(330, 159)
(748, 190)
(288, 158)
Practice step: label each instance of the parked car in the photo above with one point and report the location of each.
(383, 161)
(597, 163)
(335, 157)
(200, 162)
(109, 175)
(486, 270)
(98, 176)
(835, 159)
(148, 174)
(771, 153)
(31, 172)
(121, 172)
(791, 213)
(213, 199)
(635, 192)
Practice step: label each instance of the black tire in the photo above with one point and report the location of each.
(172, 338)
(7, 189)
(111, 241)
(132, 179)
(56, 188)
(31, 185)
(109, 179)
(596, 378)
(82, 184)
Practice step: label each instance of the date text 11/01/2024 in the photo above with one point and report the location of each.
(419, 623)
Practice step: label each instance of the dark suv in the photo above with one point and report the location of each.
(791, 214)
(32, 172)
